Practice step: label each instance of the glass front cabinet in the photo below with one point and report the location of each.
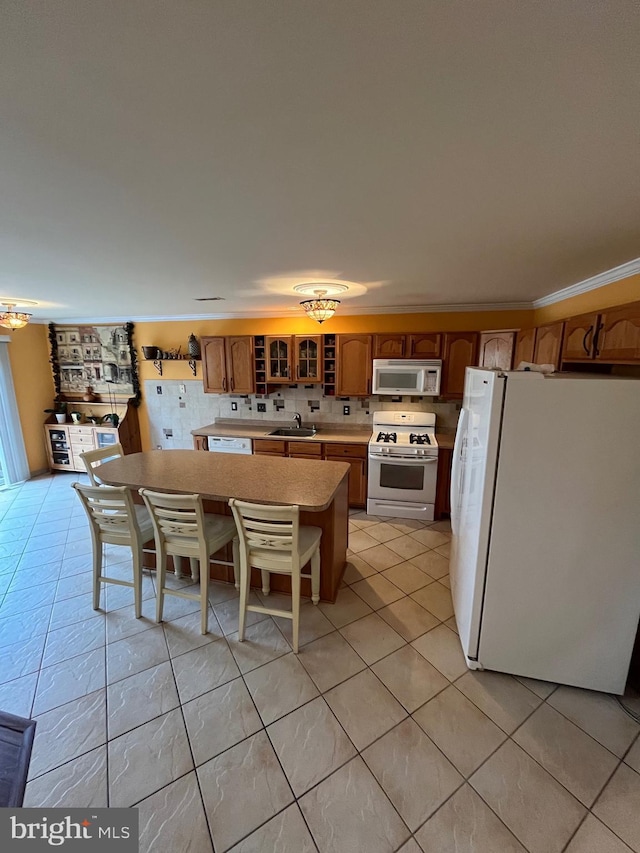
(308, 359)
(278, 356)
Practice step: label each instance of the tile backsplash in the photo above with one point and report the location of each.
(178, 412)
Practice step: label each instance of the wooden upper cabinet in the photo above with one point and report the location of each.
(227, 365)
(389, 346)
(548, 344)
(618, 335)
(524, 346)
(307, 356)
(214, 366)
(240, 364)
(354, 357)
(279, 357)
(428, 345)
(496, 349)
(579, 336)
(460, 352)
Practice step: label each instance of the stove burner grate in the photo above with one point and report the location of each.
(387, 437)
(419, 438)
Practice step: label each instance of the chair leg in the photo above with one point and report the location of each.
(161, 577)
(194, 567)
(315, 577)
(97, 573)
(137, 581)
(235, 545)
(295, 607)
(204, 594)
(266, 582)
(244, 598)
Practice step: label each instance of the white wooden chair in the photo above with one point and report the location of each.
(183, 529)
(94, 458)
(114, 519)
(272, 540)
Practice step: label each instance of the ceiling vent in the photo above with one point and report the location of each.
(209, 299)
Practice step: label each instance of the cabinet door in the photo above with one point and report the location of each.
(214, 369)
(354, 365)
(58, 447)
(496, 350)
(525, 346)
(278, 355)
(389, 346)
(269, 447)
(240, 365)
(200, 442)
(579, 334)
(460, 352)
(548, 344)
(307, 352)
(357, 478)
(428, 345)
(619, 334)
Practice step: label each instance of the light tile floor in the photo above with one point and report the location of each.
(375, 737)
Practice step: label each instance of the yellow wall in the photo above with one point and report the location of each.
(29, 348)
(33, 381)
(616, 293)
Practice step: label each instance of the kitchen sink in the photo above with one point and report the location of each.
(294, 432)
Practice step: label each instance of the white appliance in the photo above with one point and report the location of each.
(545, 512)
(222, 444)
(403, 465)
(406, 376)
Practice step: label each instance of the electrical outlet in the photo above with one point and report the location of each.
(346, 410)
(182, 405)
(158, 389)
(262, 407)
(168, 433)
(182, 389)
(234, 406)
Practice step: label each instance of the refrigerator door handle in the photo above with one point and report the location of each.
(456, 467)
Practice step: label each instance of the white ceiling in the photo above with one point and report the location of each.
(157, 151)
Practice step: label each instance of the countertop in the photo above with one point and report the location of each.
(328, 433)
(218, 476)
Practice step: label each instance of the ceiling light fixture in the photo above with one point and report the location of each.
(322, 306)
(10, 319)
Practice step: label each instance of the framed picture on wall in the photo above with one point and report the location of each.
(102, 357)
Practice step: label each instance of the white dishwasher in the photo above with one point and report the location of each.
(222, 444)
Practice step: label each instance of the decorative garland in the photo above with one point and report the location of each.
(135, 381)
(55, 366)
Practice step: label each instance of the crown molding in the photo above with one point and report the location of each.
(292, 312)
(593, 283)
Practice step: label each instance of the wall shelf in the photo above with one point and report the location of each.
(192, 362)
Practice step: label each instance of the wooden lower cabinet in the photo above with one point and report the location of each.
(356, 456)
(443, 486)
(269, 447)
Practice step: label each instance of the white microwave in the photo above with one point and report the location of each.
(398, 376)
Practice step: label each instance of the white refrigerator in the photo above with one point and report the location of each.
(545, 516)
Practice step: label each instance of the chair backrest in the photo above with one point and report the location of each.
(268, 535)
(178, 522)
(111, 513)
(94, 458)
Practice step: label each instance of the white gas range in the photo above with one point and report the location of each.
(403, 463)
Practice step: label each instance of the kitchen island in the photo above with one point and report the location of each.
(320, 489)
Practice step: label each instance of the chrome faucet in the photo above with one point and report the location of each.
(298, 419)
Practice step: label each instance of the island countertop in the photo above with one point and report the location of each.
(311, 485)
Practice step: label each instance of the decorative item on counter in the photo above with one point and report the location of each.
(76, 417)
(193, 346)
(150, 353)
(59, 410)
(89, 396)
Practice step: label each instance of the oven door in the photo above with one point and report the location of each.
(395, 479)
